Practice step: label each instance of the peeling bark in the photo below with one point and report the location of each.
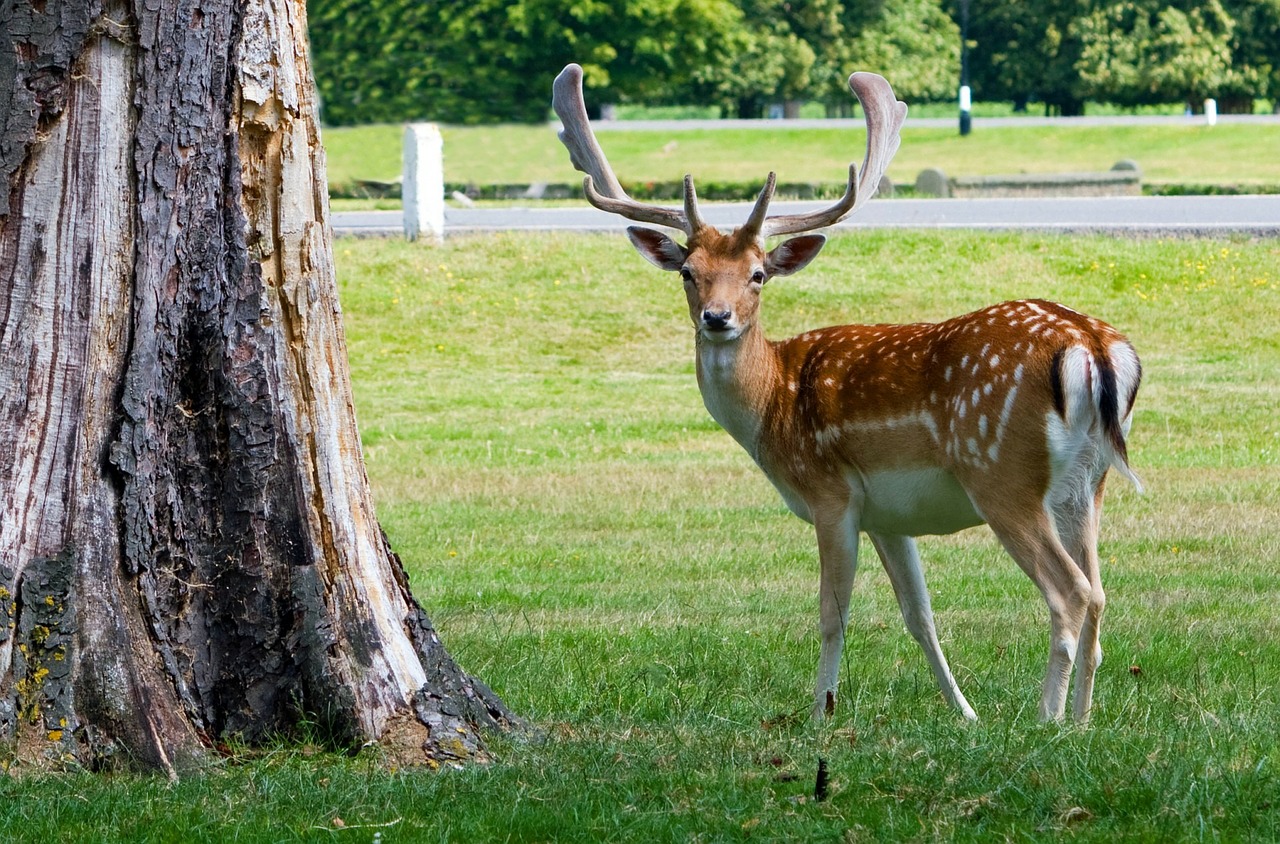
(178, 453)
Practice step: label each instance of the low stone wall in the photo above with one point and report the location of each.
(1124, 179)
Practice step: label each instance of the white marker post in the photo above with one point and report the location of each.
(1211, 112)
(423, 188)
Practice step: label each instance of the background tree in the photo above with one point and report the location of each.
(188, 549)
(772, 64)
(468, 61)
(488, 60)
(1190, 56)
(481, 61)
(914, 43)
(1256, 50)
(1113, 58)
(1028, 51)
(1130, 53)
(1141, 53)
(382, 61)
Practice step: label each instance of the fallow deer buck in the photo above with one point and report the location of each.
(1010, 415)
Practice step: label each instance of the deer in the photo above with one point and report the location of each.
(1011, 416)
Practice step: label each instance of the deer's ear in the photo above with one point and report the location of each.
(793, 255)
(657, 248)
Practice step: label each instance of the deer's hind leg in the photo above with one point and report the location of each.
(1030, 536)
(1078, 522)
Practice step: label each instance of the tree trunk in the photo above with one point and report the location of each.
(188, 548)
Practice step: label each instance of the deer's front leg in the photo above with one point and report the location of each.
(902, 564)
(837, 529)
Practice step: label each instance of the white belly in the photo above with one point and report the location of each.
(915, 502)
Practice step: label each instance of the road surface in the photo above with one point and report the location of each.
(979, 123)
(1147, 215)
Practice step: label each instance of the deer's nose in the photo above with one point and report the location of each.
(716, 320)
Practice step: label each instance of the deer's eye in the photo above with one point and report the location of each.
(686, 275)
(757, 277)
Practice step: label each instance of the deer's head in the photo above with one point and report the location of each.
(723, 273)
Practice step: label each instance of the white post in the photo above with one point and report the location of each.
(423, 188)
(1211, 111)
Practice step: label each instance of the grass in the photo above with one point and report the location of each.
(590, 544)
(1182, 154)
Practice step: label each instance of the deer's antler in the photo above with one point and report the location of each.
(884, 114)
(601, 186)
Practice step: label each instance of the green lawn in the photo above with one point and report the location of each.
(590, 544)
(1190, 154)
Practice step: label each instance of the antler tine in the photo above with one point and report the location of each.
(691, 213)
(758, 218)
(829, 216)
(601, 186)
(884, 114)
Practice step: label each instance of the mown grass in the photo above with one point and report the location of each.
(593, 546)
(1182, 154)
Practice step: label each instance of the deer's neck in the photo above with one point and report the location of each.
(738, 380)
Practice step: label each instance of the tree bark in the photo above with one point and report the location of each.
(188, 547)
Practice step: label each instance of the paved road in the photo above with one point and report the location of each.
(979, 123)
(1152, 215)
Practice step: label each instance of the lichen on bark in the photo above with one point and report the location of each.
(39, 714)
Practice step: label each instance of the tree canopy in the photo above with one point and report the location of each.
(470, 61)
(1063, 53)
